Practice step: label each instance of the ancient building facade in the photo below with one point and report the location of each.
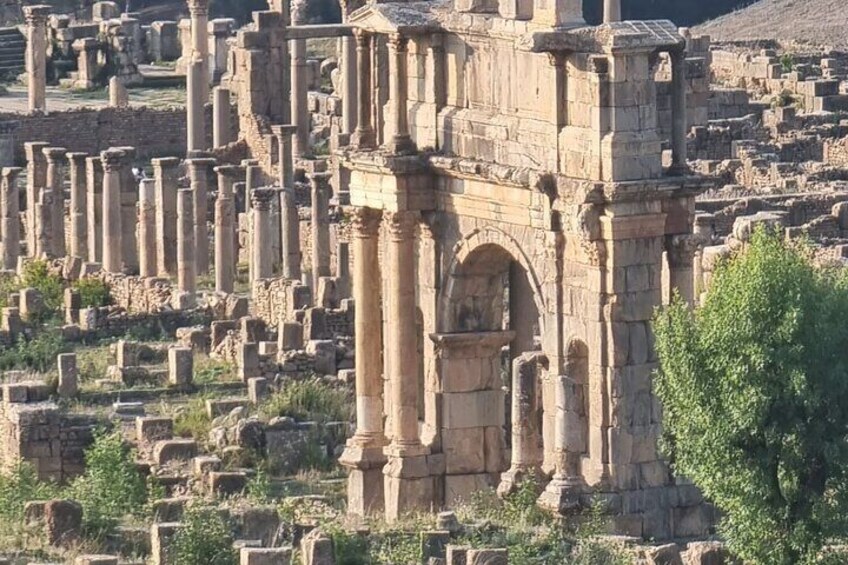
(509, 194)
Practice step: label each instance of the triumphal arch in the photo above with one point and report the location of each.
(513, 224)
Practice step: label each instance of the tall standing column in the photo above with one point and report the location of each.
(147, 266)
(197, 94)
(199, 15)
(320, 186)
(678, 111)
(94, 207)
(36, 182)
(289, 220)
(36, 56)
(10, 221)
(349, 80)
(409, 486)
(221, 130)
(612, 11)
(186, 262)
(56, 182)
(129, 212)
(198, 173)
(363, 136)
(400, 142)
(113, 162)
(78, 246)
(166, 173)
(261, 253)
(300, 96)
(363, 455)
(225, 258)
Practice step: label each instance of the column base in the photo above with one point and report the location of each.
(184, 300)
(363, 139)
(365, 478)
(563, 495)
(401, 145)
(408, 485)
(512, 479)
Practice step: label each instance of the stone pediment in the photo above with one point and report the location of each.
(398, 17)
(655, 35)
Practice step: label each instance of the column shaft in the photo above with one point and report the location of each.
(56, 182)
(399, 141)
(36, 182)
(196, 96)
(186, 262)
(320, 188)
(363, 136)
(224, 235)
(147, 229)
(112, 162)
(678, 111)
(612, 11)
(10, 227)
(289, 220)
(261, 252)
(300, 94)
(165, 172)
(36, 56)
(94, 207)
(198, 172)
(78, 246)
(221, 131)
(349, 81)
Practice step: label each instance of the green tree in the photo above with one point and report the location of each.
(754, 387)
(205, 538)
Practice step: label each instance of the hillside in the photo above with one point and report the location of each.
(820, 22)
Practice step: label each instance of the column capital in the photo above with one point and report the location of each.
(680, 249)
(400, 226)
(198, 163)
(398, 42)
(10, 174)
(36, 15)
(366, 222)
(284, 131)
(319, 179)
(77, 158)
(198, 7)
(229, 171)
(113, 160)
(54, 154)
(260, 198)
(165, 162)
(362, 37)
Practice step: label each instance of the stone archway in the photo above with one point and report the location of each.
(490, 299)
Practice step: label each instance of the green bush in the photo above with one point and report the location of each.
(312, 400)
(192, 420)
(205, 538)
(37, 275)
(111, 487)
(94, 293)
(38, 354)
(19, 486)
(754, 390)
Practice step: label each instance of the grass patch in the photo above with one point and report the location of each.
(191, 420)
(309, 400)
(211, 371)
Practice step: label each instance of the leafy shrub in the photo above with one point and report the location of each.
(19, 486)
(111, 487)
(38, 353)
(192, 420)
(205, 538)
(311, 399)
(37, 275)
(94, 293)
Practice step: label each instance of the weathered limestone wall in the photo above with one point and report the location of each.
(153, 132)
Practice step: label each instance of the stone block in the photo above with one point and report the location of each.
(169, 509)
(257, 389)
(62, 521)
(166, 451)
(204, 464)
(265, 556)
(464, 450)
(456, 555)
(180, 366)
(247, 359)
(460, 488)
(290, 336)
(324, 352)
(487, 557)
(473, 409)
(227, 483)
(150, 429)
(161, 536)
(223, 406)
(317, 549)
(434, 544)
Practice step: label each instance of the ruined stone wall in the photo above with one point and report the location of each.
(154, 132)
(270, 300)
(139, 294)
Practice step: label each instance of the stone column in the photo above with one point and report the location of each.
(56, 182)
(36, 56)
(399, 142)
(221, 130)
(147, 266)
(113, 162)
(409, 486)
(7, 143)
(36, 182)
(526, 457)
(118, 95)
(290, 223)
(197, 94)
(680, 251)
(349, 82)
(363, 454)
(320, 186)
(300, 95)
(166, 173)
(94, 207)
(612, 11)
(199, 14)
(261, 252)
(225, 257)
(678, 111)
(10, 221)
(198, 172)
(43, 223)
(218, 32)
(186, 261)
(78, 246)
(363, 136)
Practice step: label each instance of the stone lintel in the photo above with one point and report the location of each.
(632, 227)
(477, 344)
(393, 192)
(317, 31)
